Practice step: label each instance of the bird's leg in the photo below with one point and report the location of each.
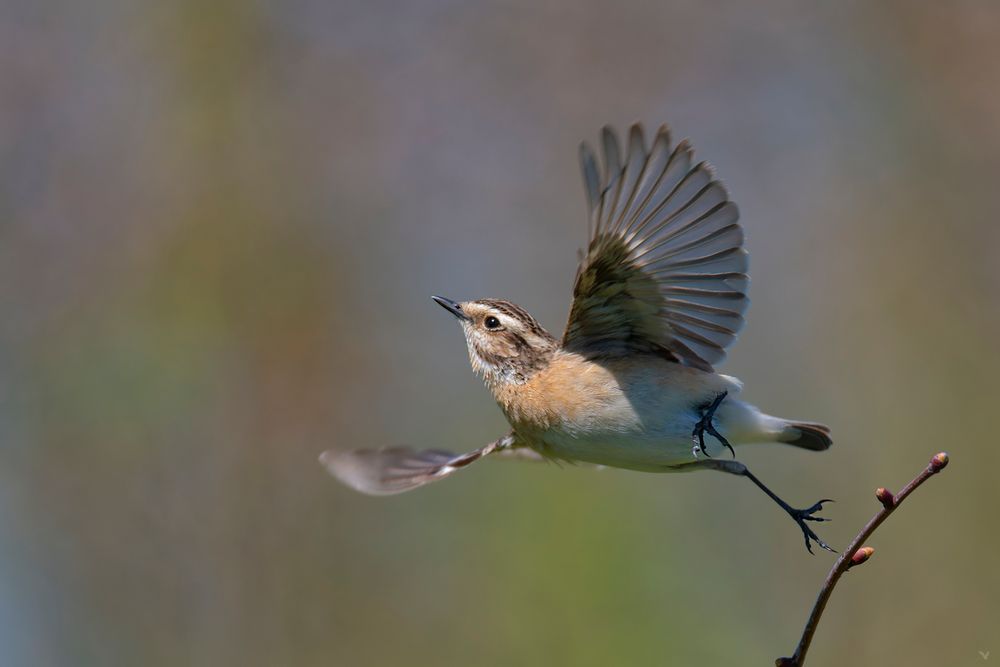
(705, 425)
(800, 516)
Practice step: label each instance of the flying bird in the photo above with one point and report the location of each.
(659, 296)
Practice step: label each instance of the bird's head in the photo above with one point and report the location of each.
(506, 344)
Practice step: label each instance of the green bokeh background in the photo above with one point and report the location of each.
(220, 224)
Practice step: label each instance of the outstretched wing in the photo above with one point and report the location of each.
(381, 472)
(665, 269)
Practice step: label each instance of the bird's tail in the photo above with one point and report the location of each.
(807, 435)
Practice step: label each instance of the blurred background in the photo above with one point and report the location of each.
(220, 225)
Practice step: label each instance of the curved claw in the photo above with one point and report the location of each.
(813, 536)
(698, 437)
(801, 516)
(705, 425)
(718, 436)
(807, 514)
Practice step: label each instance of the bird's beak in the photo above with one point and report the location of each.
(451, 306)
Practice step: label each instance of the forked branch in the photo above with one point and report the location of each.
(856, 554)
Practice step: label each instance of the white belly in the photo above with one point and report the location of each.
(622, 450)
(653, 438)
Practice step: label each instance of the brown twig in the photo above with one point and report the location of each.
(855, 554)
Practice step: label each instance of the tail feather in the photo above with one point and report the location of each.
(807, 435)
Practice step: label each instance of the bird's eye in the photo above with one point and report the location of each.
(491, 323)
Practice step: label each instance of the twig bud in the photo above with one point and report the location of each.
(785, 662)
(860, 556)
(939, 461)
(885, 497)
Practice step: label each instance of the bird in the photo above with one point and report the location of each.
(660, 294)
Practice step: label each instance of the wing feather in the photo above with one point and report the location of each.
(397, 469)
(665, 268)
(591, 184)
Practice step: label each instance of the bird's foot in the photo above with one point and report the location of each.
(801, 516)
(705, 425)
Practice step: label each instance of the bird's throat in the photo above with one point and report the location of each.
(500, 371)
